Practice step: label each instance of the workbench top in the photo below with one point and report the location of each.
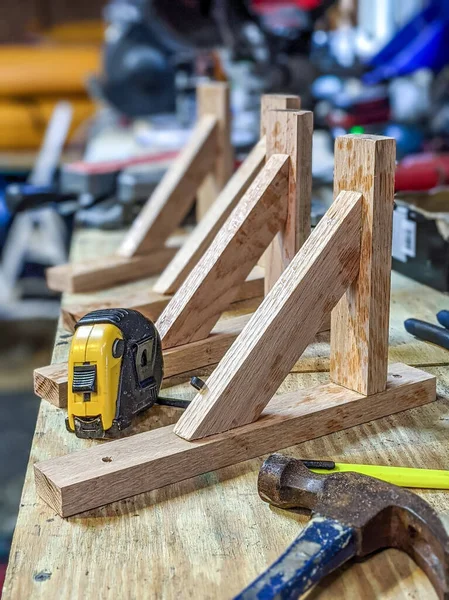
(209, 536)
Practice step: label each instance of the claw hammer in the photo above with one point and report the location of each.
(353, 515)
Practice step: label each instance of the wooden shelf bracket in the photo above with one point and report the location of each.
(343, 266)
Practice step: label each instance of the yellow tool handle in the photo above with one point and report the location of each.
(436, 479)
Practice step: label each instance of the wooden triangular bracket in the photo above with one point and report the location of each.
(151, 303)
(273, 200)
(143, 251)
(345, 264)
(226, 271)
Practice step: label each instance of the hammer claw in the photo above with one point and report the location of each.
(371, 513)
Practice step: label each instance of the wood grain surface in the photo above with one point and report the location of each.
(282, 327)
(51, 383)
(91, 478)
(209, 536)
(212, 284)
(151, 304)
(213, 98)
(270, 102)
(359, 328)
(98, 274)
(206, 230)
(165, 210)
(290, 132)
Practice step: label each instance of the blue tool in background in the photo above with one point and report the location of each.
(429, 332)
(422, 43)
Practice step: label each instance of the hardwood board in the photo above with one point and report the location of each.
(214, 99)
(269, 102)
(290, 132)
(209, 226)
(100, 273)
(169, 530)
(360, 322)
(282, 327)
(84, 480)
(175, 194)
(51, 383)
(211, 285)
(151, 304)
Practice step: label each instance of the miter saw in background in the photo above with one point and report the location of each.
(147, 40)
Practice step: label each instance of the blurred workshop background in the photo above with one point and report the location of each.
(98, 81)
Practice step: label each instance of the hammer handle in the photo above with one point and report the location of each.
(323, 546)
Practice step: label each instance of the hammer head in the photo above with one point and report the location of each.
(382, 515)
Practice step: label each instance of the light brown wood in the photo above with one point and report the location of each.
(282, 327)
(100, 273)
(84, 480)
(359, 330)
(270, 102)
(212, 284)
(175, 194)
(214, 99)
(51, 383)
(206, 230)
(290, 132)
(151, 304)
(251, 535)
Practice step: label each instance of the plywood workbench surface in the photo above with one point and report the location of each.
(210, 536)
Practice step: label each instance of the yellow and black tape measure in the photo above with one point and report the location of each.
(115, 371)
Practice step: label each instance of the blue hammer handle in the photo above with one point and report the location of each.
(323, 546)
(443, 318)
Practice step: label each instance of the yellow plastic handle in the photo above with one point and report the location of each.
(436, 479)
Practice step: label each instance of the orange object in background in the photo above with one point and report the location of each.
(46, 69)
(33, 78)
(23, 122)
(76, 32)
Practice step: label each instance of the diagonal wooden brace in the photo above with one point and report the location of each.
(212, 285)
(283, 326)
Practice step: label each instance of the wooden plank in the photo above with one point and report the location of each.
(415, 438)
(360, 322)
(51, 383)
(206, 230)
(151, 304)
(282, 327)
(270, 102)
(84, 480)
(214, 99)
(212, 284)
(175, 194)
(101, 273)
(290, 132)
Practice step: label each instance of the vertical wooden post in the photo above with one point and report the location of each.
(269, 102)
(360, 321)
(213, 99)
(290, 132)
(276, 102)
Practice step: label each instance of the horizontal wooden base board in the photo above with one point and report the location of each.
(82, 480)
(151, 304)
(109, 271)
(51, 383)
